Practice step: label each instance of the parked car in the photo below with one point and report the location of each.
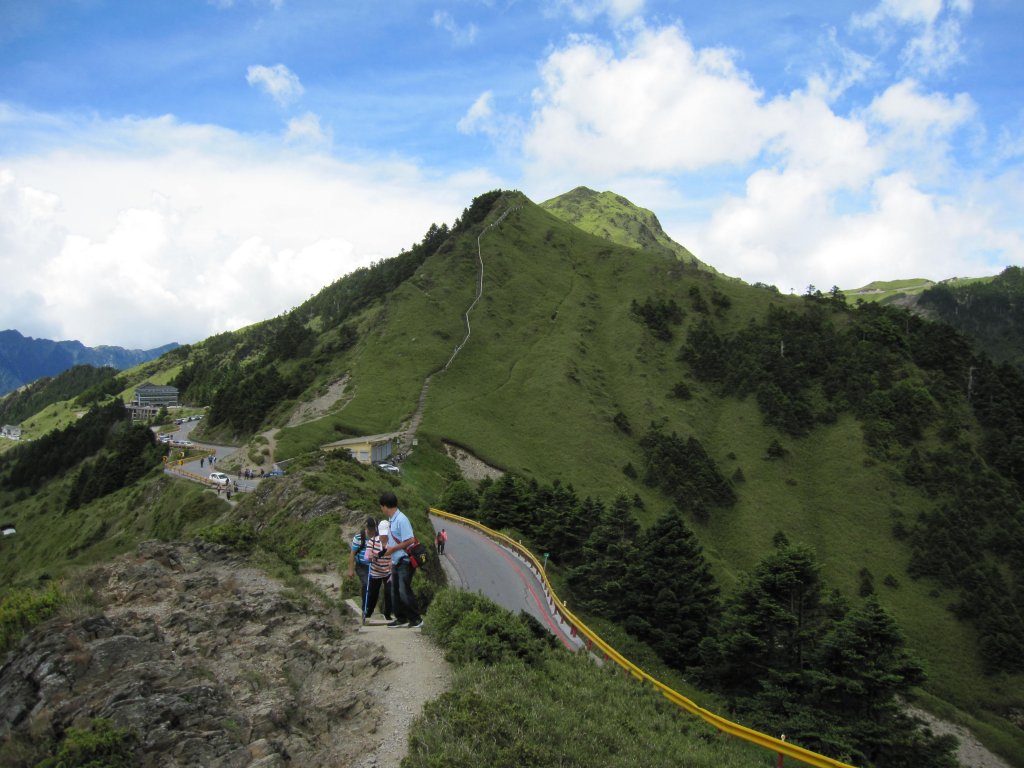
(219, 478)
(275, 472)
(384, 466)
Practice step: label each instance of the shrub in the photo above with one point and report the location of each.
(22, 609)
(471, 628)
(101, 745)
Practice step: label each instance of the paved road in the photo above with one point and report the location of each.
(182, 432)
(476, 563)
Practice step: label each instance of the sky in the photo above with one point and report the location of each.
(172, 169)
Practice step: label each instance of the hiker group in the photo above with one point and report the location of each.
(379, 555)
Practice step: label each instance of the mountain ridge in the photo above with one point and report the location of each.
(24, 359)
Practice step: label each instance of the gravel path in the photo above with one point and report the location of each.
(418, 675)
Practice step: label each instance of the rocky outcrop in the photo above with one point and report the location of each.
(205, 659)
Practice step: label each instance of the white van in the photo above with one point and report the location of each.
(219, 478)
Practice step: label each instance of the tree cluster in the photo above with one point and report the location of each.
(477, 211)
(30, 465)
(657, 316)
(684, 472)
(366, 285)
(791, 659)
(87, 383)
(656, 584)
(128, 454)
(992, 313)
(243, 403)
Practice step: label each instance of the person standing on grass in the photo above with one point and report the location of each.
(380, 572)
(401, 536)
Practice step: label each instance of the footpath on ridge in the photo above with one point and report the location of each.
(407, 432)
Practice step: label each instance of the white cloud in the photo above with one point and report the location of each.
(279, 81)
(461, 35)
(916, 129)
(480, 115)
(936, 46)
(786, 231)
(586, 11)
(225, 4)
(504, 130)
(904, 108)
(204, 230)
(307, 129)
(661, 106)
(936, 49)
(904, 11)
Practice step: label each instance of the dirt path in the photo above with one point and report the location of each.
(418, 675)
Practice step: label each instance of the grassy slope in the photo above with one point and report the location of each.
(554, 355)
(52, 543)
(887, 290)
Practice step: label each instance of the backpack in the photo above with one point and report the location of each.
(417, 552)
(361, 556)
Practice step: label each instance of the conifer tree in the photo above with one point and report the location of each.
(794, 661)
(672, 595)
(504, 504)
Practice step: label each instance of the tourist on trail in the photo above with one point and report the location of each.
(380, 572)
(439, 543)
(401, 536)
(359, 558)
(444, 540)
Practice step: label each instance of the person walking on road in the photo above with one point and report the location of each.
(401, 536)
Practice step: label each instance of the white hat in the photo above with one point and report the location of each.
(383, 528)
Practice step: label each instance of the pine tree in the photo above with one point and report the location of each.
(833, 679)
(672, 595)
(864, 676)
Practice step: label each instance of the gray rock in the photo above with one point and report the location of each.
(206, 660)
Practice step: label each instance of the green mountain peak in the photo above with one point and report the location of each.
(613, 217)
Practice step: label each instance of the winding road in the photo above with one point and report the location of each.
(476, 563)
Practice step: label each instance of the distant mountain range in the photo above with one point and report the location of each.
(24, 359)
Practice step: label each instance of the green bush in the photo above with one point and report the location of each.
(472, 628)
(101, 745)
(22, 609)
(238, 536)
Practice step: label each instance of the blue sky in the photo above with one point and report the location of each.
(170, 170)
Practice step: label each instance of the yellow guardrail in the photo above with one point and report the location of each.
(594, 640)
